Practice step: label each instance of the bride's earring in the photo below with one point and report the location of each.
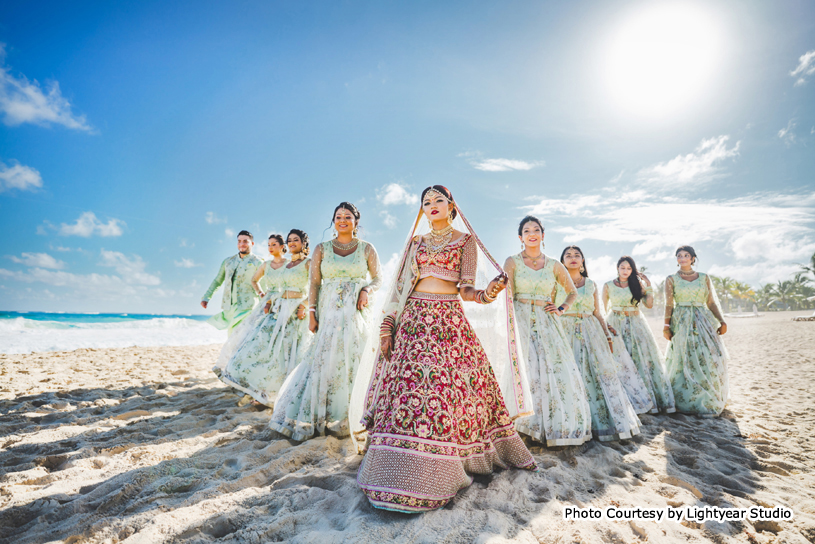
(582, 269)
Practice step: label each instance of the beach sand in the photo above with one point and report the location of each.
(145, 445)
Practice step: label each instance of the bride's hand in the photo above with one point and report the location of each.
(386, 346)
(312, 322)
(497, 285)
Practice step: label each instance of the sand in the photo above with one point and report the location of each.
(144, 445)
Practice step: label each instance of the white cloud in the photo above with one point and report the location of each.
(786, 134)
(774, 229)
(186, 263)
(213, 219)
(805, 68)
(18, 176)
(87, 225)
(697, 168)
(229, 233)
(396, 193)
(41, 260)
(602, 268)
(185, 243)
(499, 165)
(389, 220)
(24, 101)
(130, 269)
(755, 274)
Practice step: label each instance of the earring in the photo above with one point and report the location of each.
(582, 269)
(449, 219)
(429, 223)
(523, 246)
(543, 246)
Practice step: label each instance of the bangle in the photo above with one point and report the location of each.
(313, 310)
(666, 326)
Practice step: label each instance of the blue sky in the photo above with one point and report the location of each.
(137, 138)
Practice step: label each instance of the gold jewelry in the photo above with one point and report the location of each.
(432, 193)
(535, 260)
(437, 240)
(345, 247)
(622, 281)
(582, 269)
(298, 256)
(691, 273)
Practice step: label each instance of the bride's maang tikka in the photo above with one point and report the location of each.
(432, 193)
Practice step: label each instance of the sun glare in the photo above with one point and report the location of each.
(661, 59)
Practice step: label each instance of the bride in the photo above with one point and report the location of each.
(434, 409)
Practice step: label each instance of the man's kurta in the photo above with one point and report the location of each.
(239, 296)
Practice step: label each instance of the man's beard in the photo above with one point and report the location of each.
(242, 252)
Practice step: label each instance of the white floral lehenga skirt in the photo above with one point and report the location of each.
(264, 350)
(640, 343)
(315, 398)
(612, 415)
(697, 362)
(562, 416)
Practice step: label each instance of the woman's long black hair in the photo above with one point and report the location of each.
(634, 284)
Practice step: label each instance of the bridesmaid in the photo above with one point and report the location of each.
(622, 298)
(316, 396)
(562, 415)
(265, 351)
(267, 277)
(612, 415)
(696, 356)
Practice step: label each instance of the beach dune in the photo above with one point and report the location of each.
(145, 445)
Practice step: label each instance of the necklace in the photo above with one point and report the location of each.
(691, 273)
(534, 260)
(623, 283)
(437, 240)
(345, 247)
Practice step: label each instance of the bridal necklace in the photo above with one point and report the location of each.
(437, 240)
(345, 247)
(691, 273)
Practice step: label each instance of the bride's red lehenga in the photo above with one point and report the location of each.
(435, 412)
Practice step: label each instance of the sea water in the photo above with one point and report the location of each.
(42, 331)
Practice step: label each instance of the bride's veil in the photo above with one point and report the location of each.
(494, 325)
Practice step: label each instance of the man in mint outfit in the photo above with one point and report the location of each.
(235, 274)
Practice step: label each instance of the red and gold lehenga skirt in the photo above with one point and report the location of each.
(436, 414)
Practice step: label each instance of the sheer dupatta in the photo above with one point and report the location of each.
(494, 325)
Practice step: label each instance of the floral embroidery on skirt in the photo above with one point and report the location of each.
(437, 414)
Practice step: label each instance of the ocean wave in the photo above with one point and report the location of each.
(22, 323)
(23, 335)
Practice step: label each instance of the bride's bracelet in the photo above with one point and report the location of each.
(388, 325)
(482, 297)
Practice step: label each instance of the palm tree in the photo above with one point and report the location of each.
(743, 292)
(764, 296)
(784, 292)
(809, 268)
(724, 288)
